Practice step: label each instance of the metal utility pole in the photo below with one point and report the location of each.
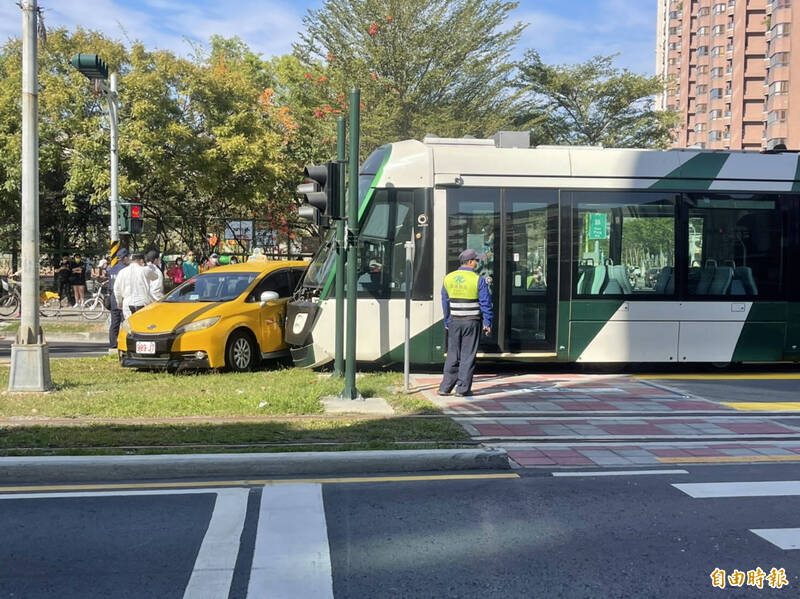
(350, 391)
(338, 362)
(111, 96)
(30, 357)
(409, 245)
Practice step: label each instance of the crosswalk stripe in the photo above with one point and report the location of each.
(783, 538)
(767, 488)
(292, 556)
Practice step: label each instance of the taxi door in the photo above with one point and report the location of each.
(273, 314)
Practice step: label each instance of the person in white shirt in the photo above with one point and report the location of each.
(132, 286)
(157, 286)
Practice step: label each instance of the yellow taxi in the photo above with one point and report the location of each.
(228, 317)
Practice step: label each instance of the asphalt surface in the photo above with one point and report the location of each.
(532, 536)
(63, 349)
(729, 388)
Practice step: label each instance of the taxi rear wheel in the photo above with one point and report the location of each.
(241, 353)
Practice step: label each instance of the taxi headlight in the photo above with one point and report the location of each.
(197, 325)
(126, 326)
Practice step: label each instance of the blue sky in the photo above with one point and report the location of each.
(564, 31)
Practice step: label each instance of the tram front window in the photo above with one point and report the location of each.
(321, 265)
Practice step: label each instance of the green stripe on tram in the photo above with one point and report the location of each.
(796, 184)
(698, 172)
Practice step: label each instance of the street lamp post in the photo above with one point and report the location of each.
(96, 70)
(30, 359)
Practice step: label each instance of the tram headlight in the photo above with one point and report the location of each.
(299, 323)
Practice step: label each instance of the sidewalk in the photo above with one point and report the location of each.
(568, 420)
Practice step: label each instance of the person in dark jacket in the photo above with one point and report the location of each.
(63, 276)
(466, 303)
(116, 311)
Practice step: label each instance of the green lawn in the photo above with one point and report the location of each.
(285, 403)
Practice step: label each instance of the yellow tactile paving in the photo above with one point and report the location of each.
(764, 406)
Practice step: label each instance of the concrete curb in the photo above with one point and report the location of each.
(72, 469)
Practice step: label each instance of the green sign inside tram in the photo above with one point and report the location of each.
(597, 226)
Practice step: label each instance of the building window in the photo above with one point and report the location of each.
(716, 93)
(727, 111)
(776, 4)
(702, 32)
(781, 30)
(715, 114)
(716, 72)
(718, 30)
(776, 141)
(717, 50)
(702, 69)
(719, 8)
(779, 59)
(775, 117)
(701, 108)
(704, 12)
(714, 135)
(702, 51)
(702, 89)
(699, 127)
(779, 88)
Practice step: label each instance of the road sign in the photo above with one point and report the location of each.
(597, 225)
(241, 230)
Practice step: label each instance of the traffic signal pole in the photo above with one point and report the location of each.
(350, 391)
(111, 96)
(30, 359)
(338, 362)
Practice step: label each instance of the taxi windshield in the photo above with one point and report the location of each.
(212, 287)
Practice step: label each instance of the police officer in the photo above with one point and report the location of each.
(466, 302)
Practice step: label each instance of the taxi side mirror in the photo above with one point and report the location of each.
(268, 296)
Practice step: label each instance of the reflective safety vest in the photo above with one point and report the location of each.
(462, 289)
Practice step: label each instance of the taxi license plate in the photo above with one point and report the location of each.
(145, 347)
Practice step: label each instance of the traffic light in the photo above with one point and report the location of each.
(320, 193)
(130, 218)
(90, 65)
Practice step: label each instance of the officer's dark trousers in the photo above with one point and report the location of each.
(113, 330)
(462, 346)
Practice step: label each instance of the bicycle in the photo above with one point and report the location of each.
(95, 306)
(10, 300)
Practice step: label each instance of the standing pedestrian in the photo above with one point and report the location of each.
(63, 277)
(157, 285)
(78, 279)
(176, 272)
(190, 267)
(132, 287)
(116, 310)
(465, 301)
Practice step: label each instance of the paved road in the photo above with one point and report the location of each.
(59, 349)
(536, 535)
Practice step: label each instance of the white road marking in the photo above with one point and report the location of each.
(619, 472)
(213, 569)
(291, 557)
(767, 488)
(783, 538)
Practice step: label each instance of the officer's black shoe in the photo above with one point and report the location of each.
(440, 392)
(465, 394)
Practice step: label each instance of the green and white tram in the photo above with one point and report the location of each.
(593, 255)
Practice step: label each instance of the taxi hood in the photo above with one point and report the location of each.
(165, 317)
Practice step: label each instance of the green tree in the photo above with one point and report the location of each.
(591, 103)
(439, 66)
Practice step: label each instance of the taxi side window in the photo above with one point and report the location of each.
(277, 281)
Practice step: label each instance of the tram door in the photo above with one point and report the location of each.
(517, 230)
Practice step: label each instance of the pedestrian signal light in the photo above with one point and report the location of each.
(130, 218)
(320, 194)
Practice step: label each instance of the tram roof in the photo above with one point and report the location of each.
(474, 162)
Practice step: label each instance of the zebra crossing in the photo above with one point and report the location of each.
(783, 538)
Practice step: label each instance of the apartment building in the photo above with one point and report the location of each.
(732, 72)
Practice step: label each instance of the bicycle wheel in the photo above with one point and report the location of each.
(9, 305)
(92, 308)
(50, 307)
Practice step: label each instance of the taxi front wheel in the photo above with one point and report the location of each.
(241, 353)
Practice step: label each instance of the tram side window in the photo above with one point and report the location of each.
(735, 245)
(624, 244)
(393, 219)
